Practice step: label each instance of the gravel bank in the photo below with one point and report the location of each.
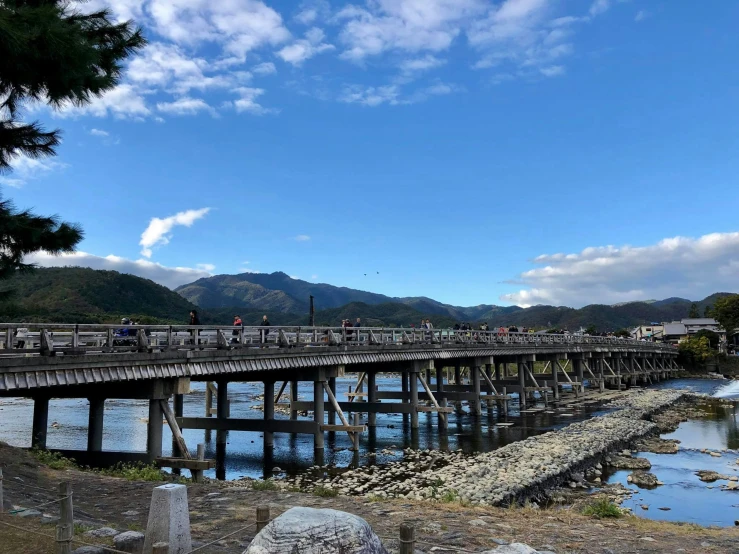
(516, 472)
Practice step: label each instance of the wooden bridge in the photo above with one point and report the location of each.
(157, 363)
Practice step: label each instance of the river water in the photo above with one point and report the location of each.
(125, 430)
(688, 498)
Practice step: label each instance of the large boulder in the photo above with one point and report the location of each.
(312, 531)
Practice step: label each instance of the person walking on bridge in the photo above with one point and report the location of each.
(237, 323)
(264, 332)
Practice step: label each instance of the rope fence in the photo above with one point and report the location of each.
(64, 537)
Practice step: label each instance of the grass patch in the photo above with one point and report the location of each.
(601, 509)
(80, 529)
(325, 492)
(449, 496)
(133, 526)
(135, 472)
(266, 485)
(54, 460)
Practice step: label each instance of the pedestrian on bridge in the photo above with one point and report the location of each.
(237, 323)
(265, 332)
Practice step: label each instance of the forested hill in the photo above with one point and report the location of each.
(80, 295)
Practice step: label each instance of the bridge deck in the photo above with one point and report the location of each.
(59, 355)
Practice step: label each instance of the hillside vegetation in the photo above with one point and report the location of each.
(81, 295)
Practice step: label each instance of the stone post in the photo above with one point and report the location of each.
(169, 520)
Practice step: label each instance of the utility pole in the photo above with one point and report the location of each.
(312, 319)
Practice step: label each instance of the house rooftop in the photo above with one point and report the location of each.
(699, 321)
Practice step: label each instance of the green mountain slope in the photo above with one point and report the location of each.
(81, 295)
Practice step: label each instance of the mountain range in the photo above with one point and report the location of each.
(82, 295)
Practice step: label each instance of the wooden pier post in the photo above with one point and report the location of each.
(179, 408)
(269, 412)
(413, 382)
(407, 539)
(330, 410)
(154, 430)
(522, 383)
(371, 397)
(404, 390)
(555, 378)
(293, 398)
(441, 397)
(318, 414)
(40, 422)
(208, 399)
(95, 424)
(475, 378)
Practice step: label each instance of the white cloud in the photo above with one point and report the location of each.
(641, 15)
(599, 6)
(302, 238)
(304, 49)
(239, 26)
(552, 70)
(99, 133)
(680, 266)
(404, 25)
(186, 106)
(370, 96)
(314, 277)
(247, 101)
(167, 67)
(266, 68)
(24, 169)
(417, 65)
(159, 230)
(171, 277)
(311, 11)
(123, 102)
(206, 267)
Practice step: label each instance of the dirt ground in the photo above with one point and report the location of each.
(218, 509)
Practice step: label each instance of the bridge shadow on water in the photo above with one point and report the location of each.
(244, 455)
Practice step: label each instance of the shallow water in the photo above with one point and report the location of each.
(690, 499)
(125, 429)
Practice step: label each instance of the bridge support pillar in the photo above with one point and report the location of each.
(371, 397)
(293, 398)
(318, 413)
(413, 382)
(330, 410)
(440, 397)
(40, 422)
(632, 371)
(488, 370)
(522, 383)
(497, 371)
(269, 412)
(404, 390)
(95, 425)
(222, 412)
(154, 430)
(555, 378)
(457, 372)
(601, 381)
(475, 378)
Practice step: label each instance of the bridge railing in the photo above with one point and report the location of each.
(21, 339)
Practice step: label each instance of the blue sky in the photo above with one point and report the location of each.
(472, 151)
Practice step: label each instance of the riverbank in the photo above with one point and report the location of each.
(217, 509)
(520, 471)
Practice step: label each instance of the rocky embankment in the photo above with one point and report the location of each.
(518, 471)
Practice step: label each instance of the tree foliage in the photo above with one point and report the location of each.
(694, 313)
(696, 350)
(49, 53)
(726, 312)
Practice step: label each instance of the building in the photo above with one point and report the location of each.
(677, 331)
(651, 332)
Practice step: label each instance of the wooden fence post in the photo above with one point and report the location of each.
(1, 490)
(197, 474)
(262, 517)
(407, 539)
(65, 527)
(160, 548)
